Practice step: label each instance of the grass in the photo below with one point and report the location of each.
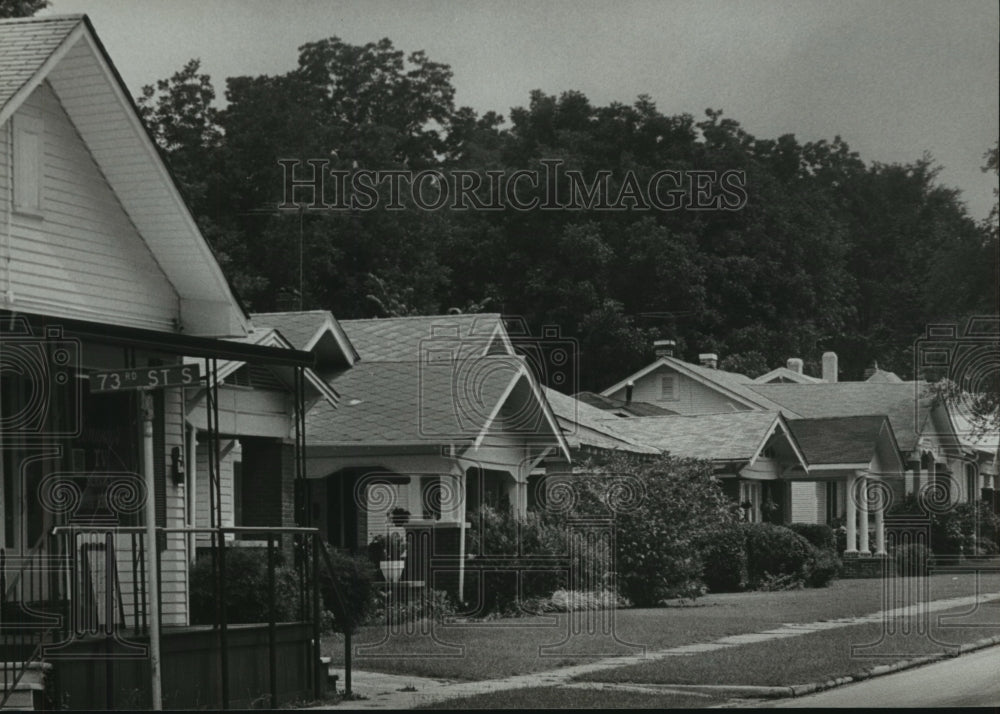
(508, 647)
(573, 698)
(809, 658)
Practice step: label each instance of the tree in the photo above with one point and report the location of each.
(21, 8)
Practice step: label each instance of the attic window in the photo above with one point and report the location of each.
(667, 388)
(240, 378)
(28, 148)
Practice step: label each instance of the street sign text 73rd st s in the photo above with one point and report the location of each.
(120, 380)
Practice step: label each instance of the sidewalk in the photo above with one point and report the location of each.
(384, 691)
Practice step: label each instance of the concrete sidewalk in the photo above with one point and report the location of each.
(394, 691)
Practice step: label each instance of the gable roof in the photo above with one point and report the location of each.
(65, 52)
(599, 401)
(731, 384)
(839, 440)
(783, 374)
(410, 403)
(407, 338)
(269, 337)
(904, 403)
(585, 426)
(306, 328)
(730, 436)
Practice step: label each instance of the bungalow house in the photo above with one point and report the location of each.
(753, 452)
(102, 269)
(436, 417)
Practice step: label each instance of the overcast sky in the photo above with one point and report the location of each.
(894, 78)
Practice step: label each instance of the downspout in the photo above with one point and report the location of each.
(462, 515)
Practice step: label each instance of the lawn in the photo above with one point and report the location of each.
(812, 657)
(500, 648)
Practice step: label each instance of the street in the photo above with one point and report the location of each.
(966, 681)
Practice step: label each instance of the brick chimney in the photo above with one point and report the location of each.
(709, 359)
(830, 367)
(664, 348)
(794, 364)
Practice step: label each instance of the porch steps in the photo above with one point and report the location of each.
(27, 694)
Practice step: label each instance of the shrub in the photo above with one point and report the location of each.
(819, 534)
(966, 528)
(776, 550)
(725, 561)
(354, 578)
(666, 512)
(388, 606)
(246, 588)
(496, 532)
(911, 559)
(824, 568)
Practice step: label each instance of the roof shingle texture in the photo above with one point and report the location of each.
(412, 402)
(719, 437)
(587, 425)
(838, 440)
(25, 44)
(296, 327)
(905, 403)
(407, 338)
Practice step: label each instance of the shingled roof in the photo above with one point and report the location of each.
(730, 436)
(25, 45)
(599, 401)
(904, 403)
(585, 426)
(838, 440)
(409, 402)
(408, 338)
(302, 328)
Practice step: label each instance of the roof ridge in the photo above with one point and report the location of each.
(44, 18)
(420, 317)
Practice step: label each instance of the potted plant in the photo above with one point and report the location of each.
(399, 516)
(394, 553)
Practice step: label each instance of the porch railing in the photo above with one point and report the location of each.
(104, 583)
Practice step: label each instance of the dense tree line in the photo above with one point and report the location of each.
(829, 252)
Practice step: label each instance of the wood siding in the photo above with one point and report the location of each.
(690, 396)
(81, 255)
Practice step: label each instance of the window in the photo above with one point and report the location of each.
(971, 484)
(832, 506)
(667, 387)
(28, 149)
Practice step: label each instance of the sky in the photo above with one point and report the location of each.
(894, 78)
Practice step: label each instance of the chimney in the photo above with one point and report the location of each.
(709, 359)
(829, 366)
(794, 364)
(871, 370)
(629, 386)
(664, 348)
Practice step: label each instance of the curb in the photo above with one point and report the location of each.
(799, 690)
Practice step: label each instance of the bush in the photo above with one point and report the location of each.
(246, 588)
(966, 528)
(819, 534)
(388, 606)
(824, 568)
(725, 561)
(666, 511)
(775, 550)
(354, 577)
(911, 559)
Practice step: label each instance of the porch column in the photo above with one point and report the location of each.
(880, 529)
(851, 515)
(863, 516)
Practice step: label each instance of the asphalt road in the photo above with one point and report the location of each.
(972, 680)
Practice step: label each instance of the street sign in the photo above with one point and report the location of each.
(121, 380)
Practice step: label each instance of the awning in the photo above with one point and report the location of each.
(169, 342)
